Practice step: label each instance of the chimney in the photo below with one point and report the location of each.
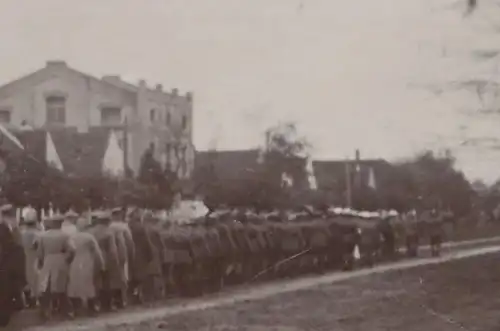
(56, 64)
(159, 87)
(357, 155)
(189, 96)
(142, 83)
(175, 92)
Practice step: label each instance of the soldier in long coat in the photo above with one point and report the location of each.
(12, 273)
(143, 257)
(55, 252)
(113, 272)
(435, 231)
(126, 248)
(29, 237)
(411, 233)
(154, 285)
(88, 262)
(69, 224)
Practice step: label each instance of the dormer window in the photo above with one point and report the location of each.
(56, 109)
(111, 116)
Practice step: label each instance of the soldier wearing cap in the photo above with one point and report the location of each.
(436, 232)
(154, 287)
(112, 273)
(88, 263)
(126, 247)
(29, 238)
(55, 252)
(8, 216)
(69, 223)
(143, 255)
(12, 274)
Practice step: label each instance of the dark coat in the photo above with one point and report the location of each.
(143, 251)
(12, 274)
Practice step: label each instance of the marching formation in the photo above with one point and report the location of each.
(107, 259)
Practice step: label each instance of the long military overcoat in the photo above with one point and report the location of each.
(88, 262)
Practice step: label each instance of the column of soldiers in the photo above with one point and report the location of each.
(104, 261)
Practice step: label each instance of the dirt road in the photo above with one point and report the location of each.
(149, 319)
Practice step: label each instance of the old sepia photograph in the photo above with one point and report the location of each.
(250, 165)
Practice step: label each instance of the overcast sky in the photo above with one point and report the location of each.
(350, 73)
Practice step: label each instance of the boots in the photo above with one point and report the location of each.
(92, 306)
(76, 304)
(45, 306)
(105, 298)
(118, 299)
(65, 306)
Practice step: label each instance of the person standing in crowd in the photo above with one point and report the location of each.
(143, 256)
(154, 288)
(69, 224)
(12, 262)
(87, 263)
(104, 236)
(125, 241)
(29, 237)
(55, 253)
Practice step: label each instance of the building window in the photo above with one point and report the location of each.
(111, 116)
(56, 109)
(184, 122)
(168, 118)
(152, 115)
(5, 116)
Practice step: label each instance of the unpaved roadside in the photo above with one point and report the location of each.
(134, 318)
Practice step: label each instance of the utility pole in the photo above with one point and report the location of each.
(348, 182)
(125, 147)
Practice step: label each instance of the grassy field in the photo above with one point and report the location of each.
(473, 231)
(458, 295)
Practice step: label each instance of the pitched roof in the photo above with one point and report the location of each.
(235, 167)
(227, 166)
(331, 174)
(46, 73)
(81, 153)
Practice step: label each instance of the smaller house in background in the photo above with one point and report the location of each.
(235, 169)
(232, 169)
(228, 168)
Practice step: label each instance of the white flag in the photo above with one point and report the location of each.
(356, 253)
(113, 162)
(286, 180)
(51, 156)
(10, 136)
(371, 180)
(311, 178)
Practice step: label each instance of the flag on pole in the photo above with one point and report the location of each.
(51, 156)
(286, 180)
(113, 162)
(311, 178)
(371, 179)
(348, 183)
(10, 136)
